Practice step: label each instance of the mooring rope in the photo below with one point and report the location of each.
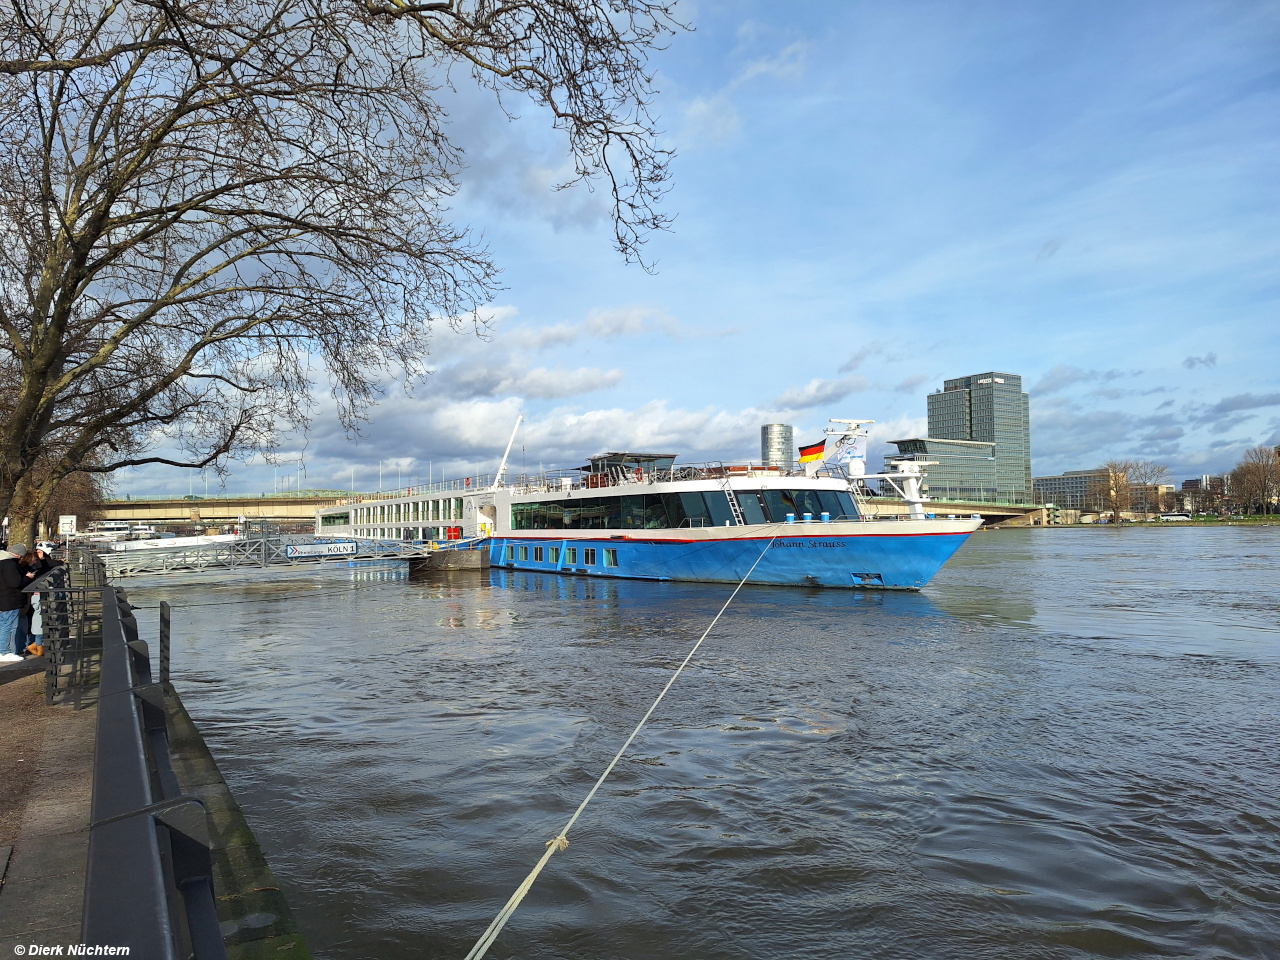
(561, 840)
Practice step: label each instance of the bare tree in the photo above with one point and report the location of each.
(1255, 482)
(1144, 475)
(1110, 492)
(80, 494)
(210, 207)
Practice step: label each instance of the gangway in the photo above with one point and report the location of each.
(269, 551)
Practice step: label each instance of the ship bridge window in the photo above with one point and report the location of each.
(779, 503)
(335, 519)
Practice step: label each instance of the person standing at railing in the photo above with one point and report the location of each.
(12, 600)
(30, 639)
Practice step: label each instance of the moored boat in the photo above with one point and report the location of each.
(642, 515)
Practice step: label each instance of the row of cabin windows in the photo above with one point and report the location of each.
(449, 508)
(410, 533)
(658, 511)
(589, 555)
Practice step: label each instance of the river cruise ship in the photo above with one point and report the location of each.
(642, 515)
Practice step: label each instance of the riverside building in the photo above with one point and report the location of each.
(1073, 490)
(962, 470)
(988, 408)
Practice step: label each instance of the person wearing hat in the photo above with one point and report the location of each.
(12, 600)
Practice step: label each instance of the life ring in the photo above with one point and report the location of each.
(468, 481)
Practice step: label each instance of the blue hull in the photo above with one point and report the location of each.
(899, 561)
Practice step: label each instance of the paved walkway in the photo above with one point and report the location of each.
(46, 784)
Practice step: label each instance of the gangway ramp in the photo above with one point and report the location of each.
(267, 552)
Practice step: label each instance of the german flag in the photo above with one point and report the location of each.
(813, 451)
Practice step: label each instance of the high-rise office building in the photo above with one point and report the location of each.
(991, 408)
(778, 446)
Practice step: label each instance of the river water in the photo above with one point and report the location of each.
(1066, 746)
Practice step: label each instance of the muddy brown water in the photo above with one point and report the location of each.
(1066, 746)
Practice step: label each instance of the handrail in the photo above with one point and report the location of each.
(149, 882)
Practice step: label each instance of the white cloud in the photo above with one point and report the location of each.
(818, 392)
(544, 384)
(629, 322)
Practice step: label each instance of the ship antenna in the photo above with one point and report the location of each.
(502, 467)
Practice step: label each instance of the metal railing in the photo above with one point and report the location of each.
(472, 484)
(70, 605)
(149, 877)
(149, 880)
(553, 481)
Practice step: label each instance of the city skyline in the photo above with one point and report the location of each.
(869, 199)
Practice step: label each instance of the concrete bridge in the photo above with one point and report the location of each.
(218, 510)
(1003, 514)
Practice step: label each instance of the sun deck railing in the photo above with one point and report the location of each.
(566, 480)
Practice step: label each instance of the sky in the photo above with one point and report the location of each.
(870, 198)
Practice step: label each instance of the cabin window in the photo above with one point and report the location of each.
(537, 554)
(610, 557)
(435, 509)
(589, 556)
(752, 509)
(570, 555)
(457, 508)
(647, 512)
(718, 507)
(695, 510)
(632, 513)
(555, 554)
(511, 554)
(335, 520)
(524, 553)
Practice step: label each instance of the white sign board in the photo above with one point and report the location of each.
(67, 526)
(294, 551)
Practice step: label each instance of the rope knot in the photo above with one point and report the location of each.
(560, 843)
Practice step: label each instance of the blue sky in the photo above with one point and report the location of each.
(871, 198)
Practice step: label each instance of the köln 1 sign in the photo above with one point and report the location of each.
(299, 550)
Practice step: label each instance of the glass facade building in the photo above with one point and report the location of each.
(777, 446)
(961, 469)
(989, 408)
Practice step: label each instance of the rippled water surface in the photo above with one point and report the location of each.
(1065, 747)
